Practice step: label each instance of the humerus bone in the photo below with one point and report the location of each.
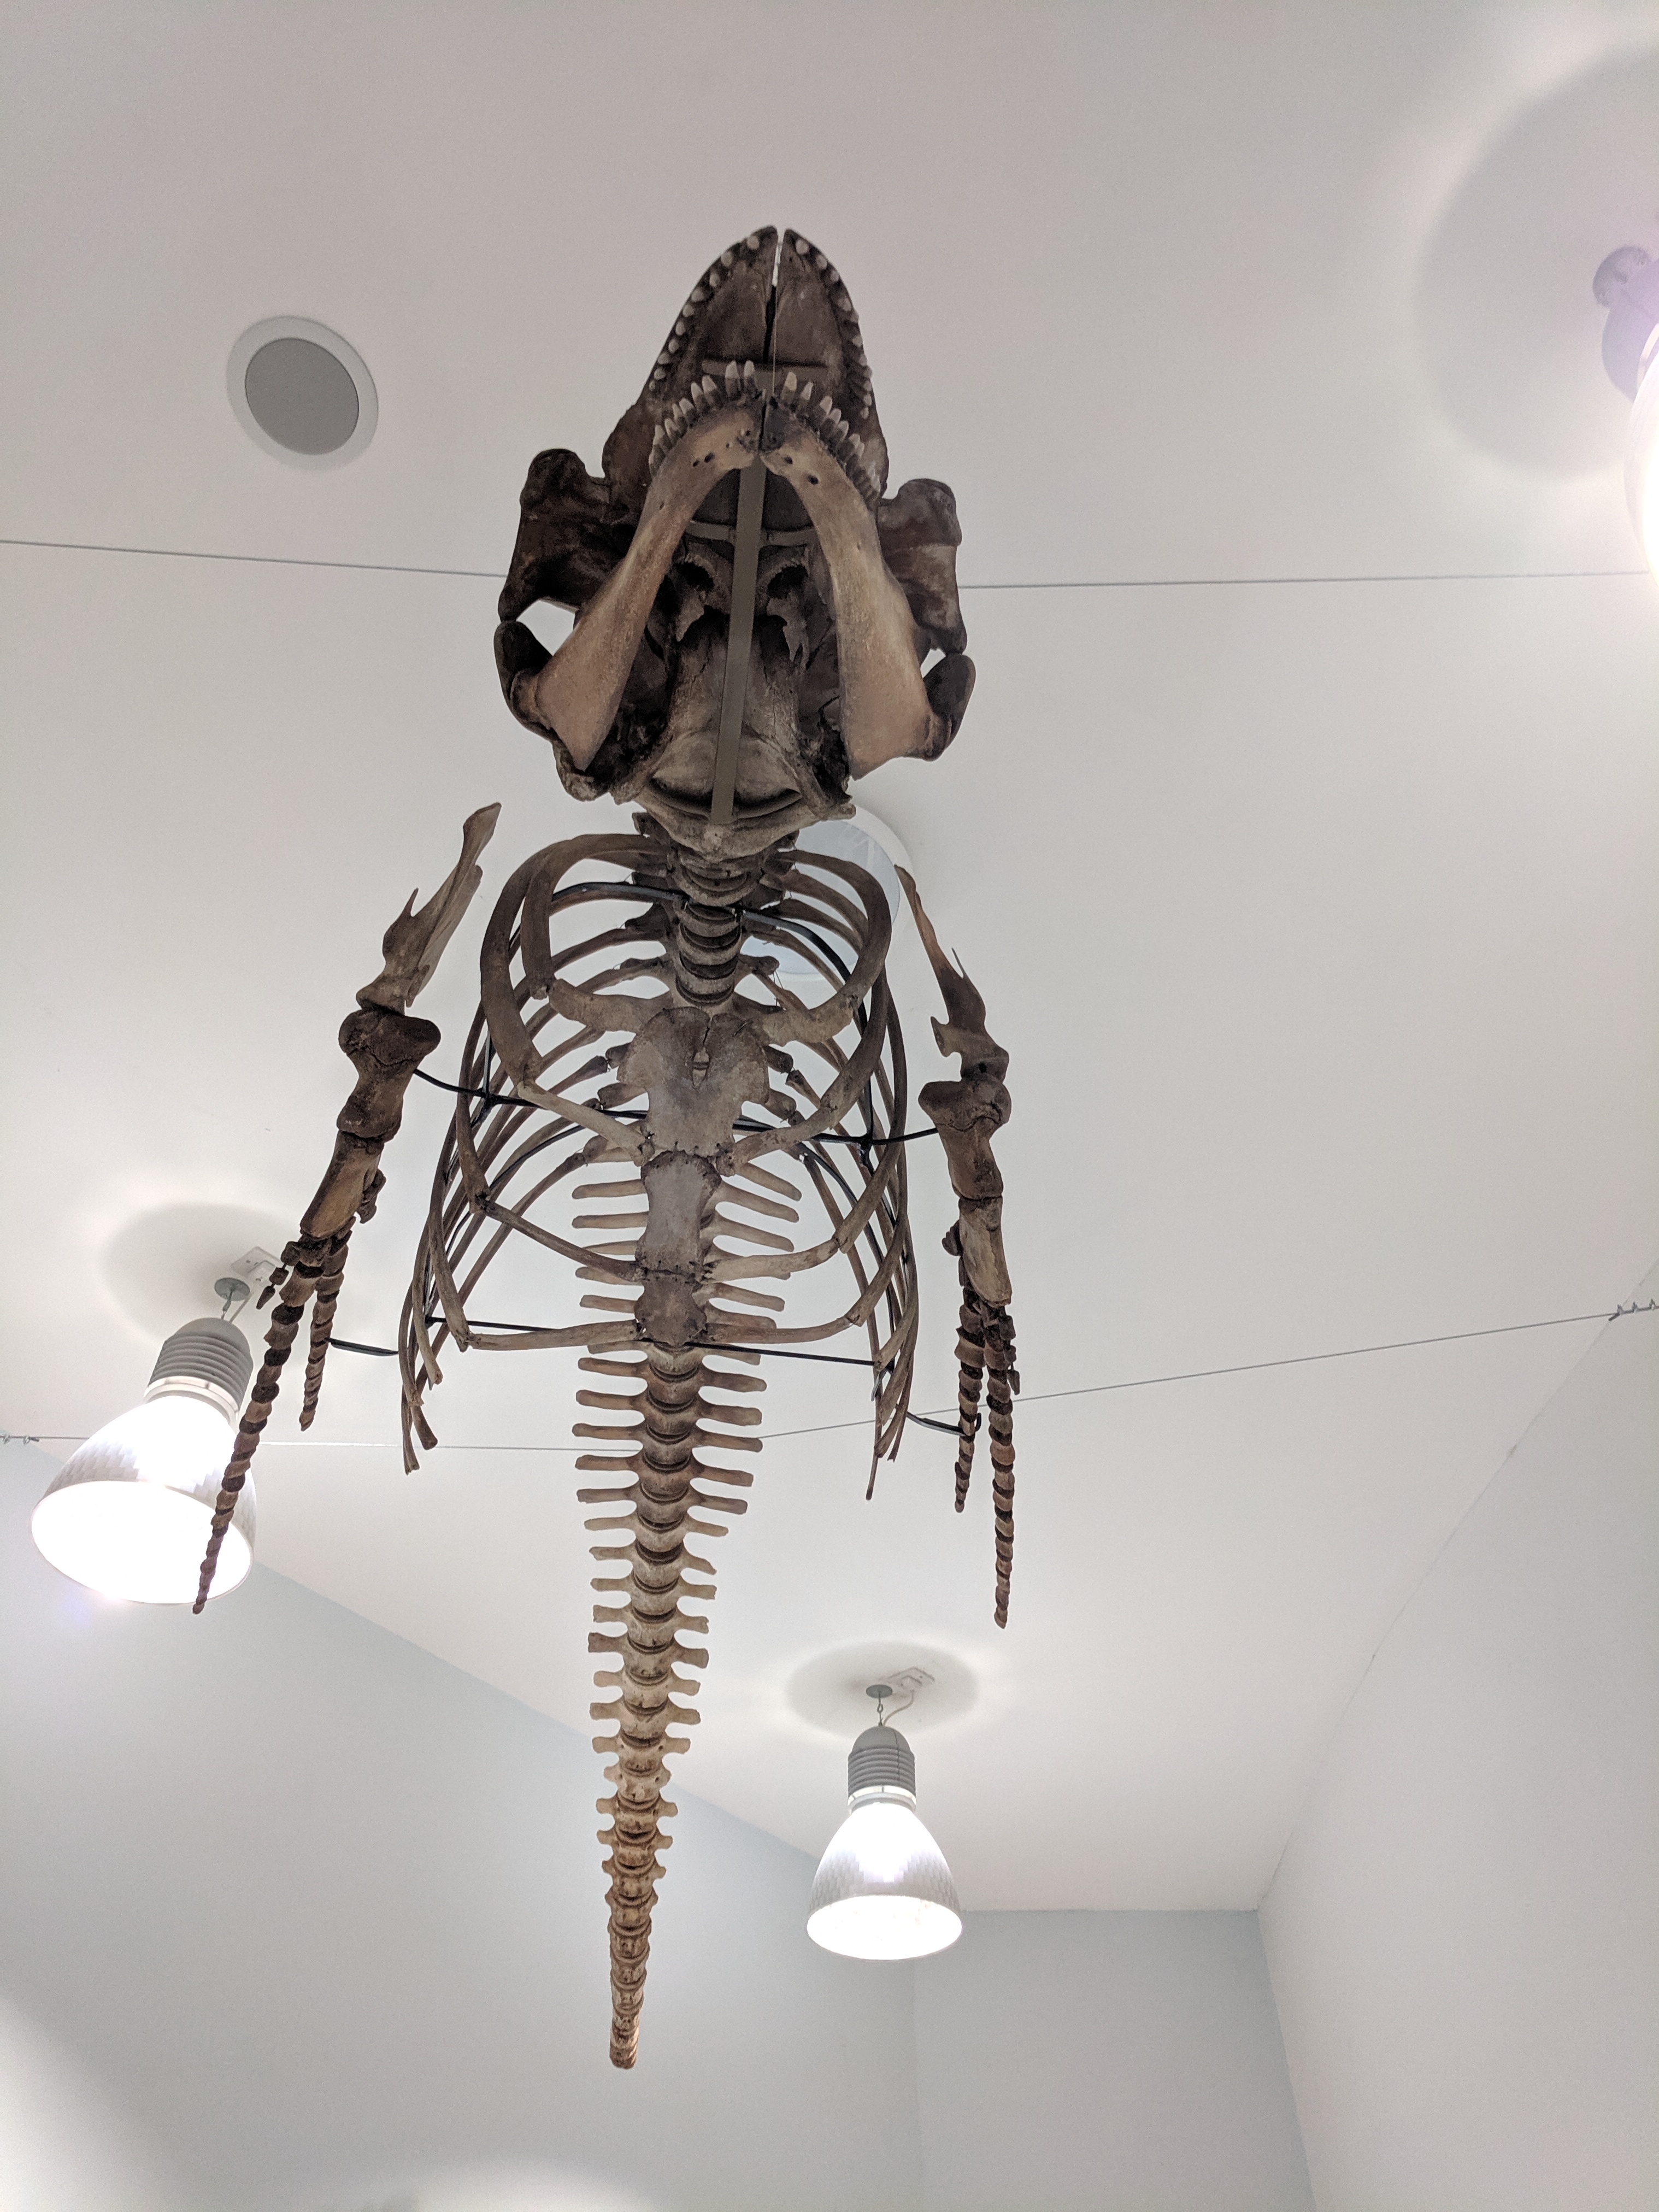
(386, 1044)
(967, 1115)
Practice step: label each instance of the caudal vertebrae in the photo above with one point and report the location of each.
(648, 1093)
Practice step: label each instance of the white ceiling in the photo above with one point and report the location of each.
(1320, 918)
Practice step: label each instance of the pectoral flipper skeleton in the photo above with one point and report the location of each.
(714, 1077)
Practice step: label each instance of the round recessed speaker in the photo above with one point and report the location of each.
(301, 391)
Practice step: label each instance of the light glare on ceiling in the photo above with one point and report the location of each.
(1627, 286)
(1642, 465)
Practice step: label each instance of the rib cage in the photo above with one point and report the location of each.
(672, 1123)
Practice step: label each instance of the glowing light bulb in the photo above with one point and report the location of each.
(882, 1889)
(130, 1511)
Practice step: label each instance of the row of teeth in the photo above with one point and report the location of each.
(714, 277)
(861, 391)
(704, 397)
(824, 420)
(831, 426)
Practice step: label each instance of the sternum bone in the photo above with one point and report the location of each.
(679, 1194)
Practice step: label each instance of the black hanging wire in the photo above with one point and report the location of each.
(638, 1113)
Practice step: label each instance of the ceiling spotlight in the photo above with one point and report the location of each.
(883, 1890)
(130, 1514)
(301, 391)
(1627, 286)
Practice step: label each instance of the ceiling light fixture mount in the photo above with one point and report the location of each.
(301, 393)
(900, 1694)
(245, 1279)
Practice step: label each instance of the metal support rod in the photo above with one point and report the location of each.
(745, 563)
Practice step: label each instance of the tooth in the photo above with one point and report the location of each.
(712, 278)
(753, 241)
(697, 298)
(856, 443)
(789, 385)
(673, 345)
(826, 407)
(806, 396)
(820, 262)
(679, 328)
(662, 358)
(728, 258)
(733, 379)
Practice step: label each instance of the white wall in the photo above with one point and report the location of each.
(1464, 1930)
(327, 1915)
(64, 2147)
(1124, 2062)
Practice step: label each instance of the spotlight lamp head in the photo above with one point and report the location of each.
(1627, 285)
(129, 1512)
(882, 1889)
